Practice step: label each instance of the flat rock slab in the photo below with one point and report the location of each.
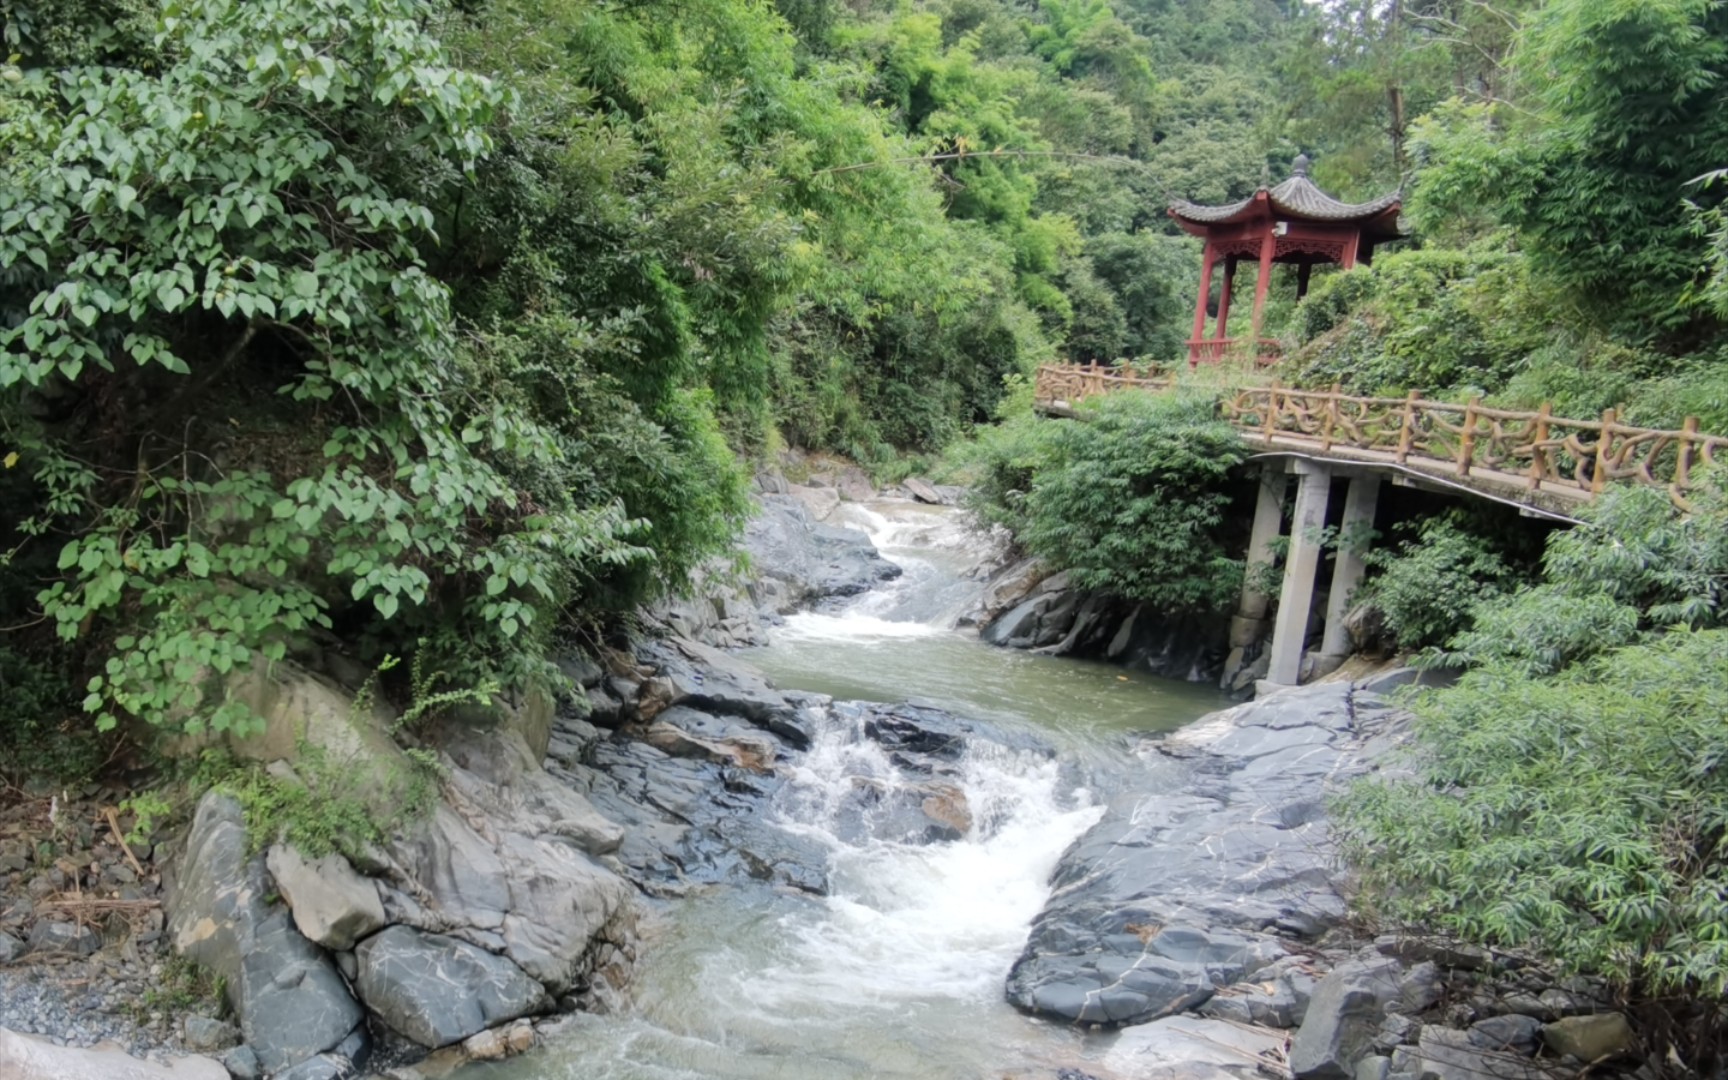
(437, 990)
(26, 1057)
(1177, 893)
(1192, 1048)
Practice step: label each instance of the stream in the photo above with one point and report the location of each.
(898, 973)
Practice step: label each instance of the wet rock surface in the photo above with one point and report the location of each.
(703, 785)
(1022, 608)
(802, 560)
(437, 990)
(26, 1057)
(1174, 895)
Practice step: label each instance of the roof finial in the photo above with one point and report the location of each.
(1299, 167)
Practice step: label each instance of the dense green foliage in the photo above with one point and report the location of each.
(1131, 502)
(435, 326)
(1566, 797)
(1568, 235)
(1580, 816)
(1428, 588)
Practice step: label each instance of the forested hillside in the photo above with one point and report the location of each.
(435, 326)
(429, 327)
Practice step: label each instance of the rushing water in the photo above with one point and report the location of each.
(898, 973)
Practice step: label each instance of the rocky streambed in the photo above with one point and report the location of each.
(911, 854)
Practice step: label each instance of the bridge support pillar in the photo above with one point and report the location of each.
(1248, 625)
(1353, 538)
(1296, 598)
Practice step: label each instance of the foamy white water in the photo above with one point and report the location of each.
(856, 629)
(911, 922)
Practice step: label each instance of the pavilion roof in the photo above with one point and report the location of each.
(1296, 197)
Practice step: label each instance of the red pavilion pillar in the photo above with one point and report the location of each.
(1194, 343)
(1223, 329)
(1268, 245)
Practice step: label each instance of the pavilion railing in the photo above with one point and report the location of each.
(1213, 350)
(1532, 450)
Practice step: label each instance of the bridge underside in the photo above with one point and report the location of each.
(1283, 657)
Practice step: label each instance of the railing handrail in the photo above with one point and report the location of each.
(1532, 449)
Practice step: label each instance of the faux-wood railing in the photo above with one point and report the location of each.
(1533, 451)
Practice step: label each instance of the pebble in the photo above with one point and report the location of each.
(57, 989)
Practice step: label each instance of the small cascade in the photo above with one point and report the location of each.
(911, 922)
(938, 861)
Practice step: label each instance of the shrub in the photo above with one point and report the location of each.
(1634, 566)
(1580, 816)
(1435, 319)
(1133, 501)
(1001, 463)
(1429, 587)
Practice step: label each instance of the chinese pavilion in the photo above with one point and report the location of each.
(1293, 223)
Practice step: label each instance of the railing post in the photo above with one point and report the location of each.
(1407, 431)
(1271, 419)
(1683, 466)
(1604, 453)
(1331, 416)
(1539, 454)
(1467, 439)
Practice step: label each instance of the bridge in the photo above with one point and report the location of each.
(1544, 464)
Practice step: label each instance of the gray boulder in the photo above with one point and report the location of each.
(331, 1065)
(1509, 1032)
(73, 939)
(702, 678)
(1006, 588)
(205, 1034)
(801, 560)
(292, 1003)
(1270, 1000)
(332, 904)
(1591, 1038)
(1373, 1068)
(693, 820)
(507, 861)
(1446, 1054)
(1344, 1018)
(819, 501)
(1190, 1048)
(1055, 617)
(242, 1063)
(437, 990)
(1041, 620)
(923, 491)
(1178, 893)
(854, 485)
(28, 1057)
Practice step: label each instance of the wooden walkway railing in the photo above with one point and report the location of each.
(1535, 452)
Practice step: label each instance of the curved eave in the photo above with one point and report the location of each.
(1294, 200)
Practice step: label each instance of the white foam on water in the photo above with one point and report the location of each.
(851, 627)
(915, 922)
